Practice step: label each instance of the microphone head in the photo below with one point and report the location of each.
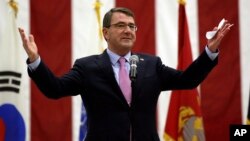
(133, 59)
(133, 65)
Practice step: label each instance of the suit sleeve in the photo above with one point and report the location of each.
(55, 87)
(172, 79)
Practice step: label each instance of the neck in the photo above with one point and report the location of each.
(119, 51)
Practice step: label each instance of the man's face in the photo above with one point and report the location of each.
(120, 35)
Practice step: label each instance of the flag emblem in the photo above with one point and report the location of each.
(12, 126)
(10, 81)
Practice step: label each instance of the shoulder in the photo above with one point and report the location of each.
(86, 59)
(147, 57)
(85, 62)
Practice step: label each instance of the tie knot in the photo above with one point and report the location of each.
(122, 61)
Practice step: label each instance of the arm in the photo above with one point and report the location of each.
(56, 87)
(48, 83)
(200, 68)
(197, 71)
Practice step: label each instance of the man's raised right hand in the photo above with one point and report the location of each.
(29, 45)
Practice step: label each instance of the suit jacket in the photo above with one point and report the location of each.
(110, 118)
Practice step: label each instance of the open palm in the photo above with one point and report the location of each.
(29, 45)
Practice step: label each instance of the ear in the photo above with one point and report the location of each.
(105, 33)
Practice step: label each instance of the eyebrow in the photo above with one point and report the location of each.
(125, 23)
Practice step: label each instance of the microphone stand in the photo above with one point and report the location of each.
(133, 79)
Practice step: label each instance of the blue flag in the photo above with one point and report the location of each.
(83, 125)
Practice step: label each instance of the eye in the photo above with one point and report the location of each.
(121, 25)
(131, 26)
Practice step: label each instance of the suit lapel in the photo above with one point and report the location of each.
(104, 64)
(138, 83)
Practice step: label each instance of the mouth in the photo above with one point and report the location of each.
(126, 38)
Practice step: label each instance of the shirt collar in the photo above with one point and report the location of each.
(115, 57)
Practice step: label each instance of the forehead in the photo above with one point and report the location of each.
(121, 17)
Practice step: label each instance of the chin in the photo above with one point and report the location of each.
(128, 45)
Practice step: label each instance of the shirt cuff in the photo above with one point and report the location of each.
(33, 66)
(211, 55)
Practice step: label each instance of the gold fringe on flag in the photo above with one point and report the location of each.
(14, 6)
(97, 8)
(248, 111)
(248, 122)
(182, 2)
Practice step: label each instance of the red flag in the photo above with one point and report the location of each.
(184, 121)
(223, 92)
(51, 119)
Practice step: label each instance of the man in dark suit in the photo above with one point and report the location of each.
(115, 113)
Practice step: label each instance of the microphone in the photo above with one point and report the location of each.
(133, 65)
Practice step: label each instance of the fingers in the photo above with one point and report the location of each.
(31, 38)
(214, 43)
(22, 34)
(215, 28)
(225, 29)
(25, 40)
